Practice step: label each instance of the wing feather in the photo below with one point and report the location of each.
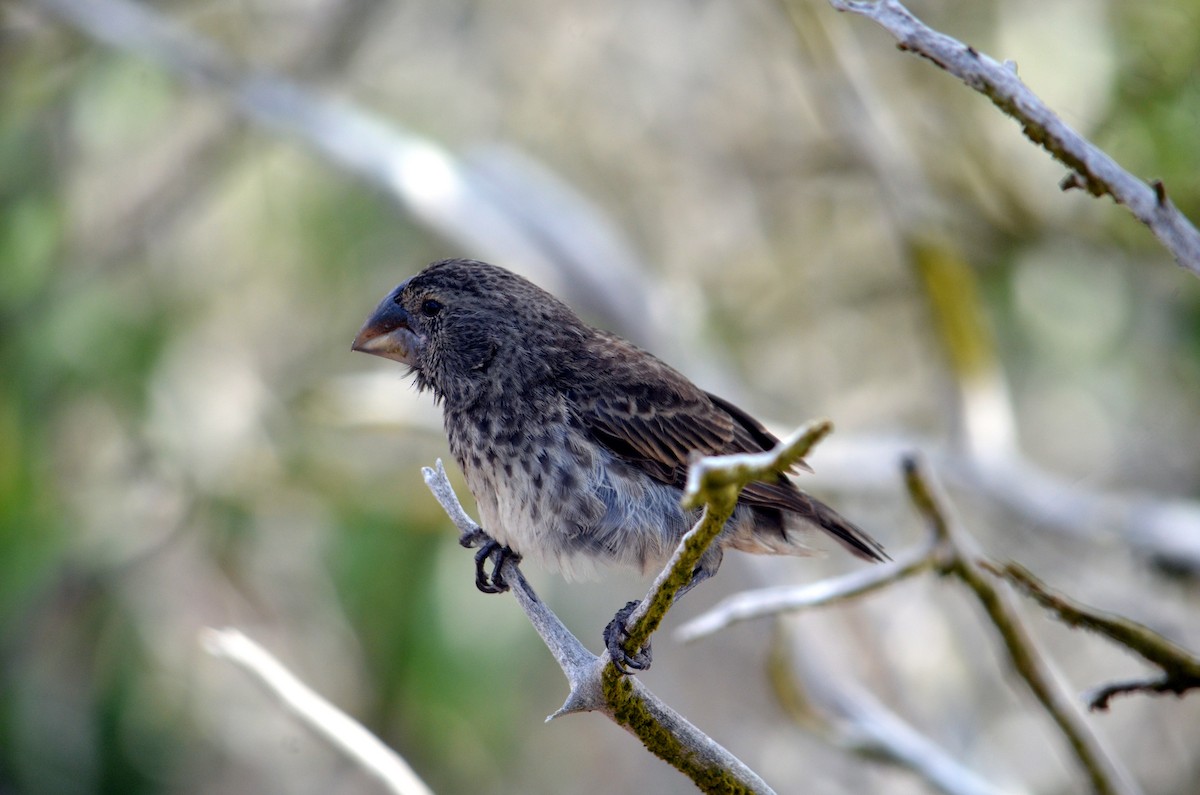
(652, 416)
(656, 420)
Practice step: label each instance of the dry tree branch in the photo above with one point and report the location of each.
(1180, 669)
(596, 685)
(426, 180)
(491, 205)
(1164, 530)
(959, 558)
(1091, 168)
(342, 731)
(762, 602)
(849, 716)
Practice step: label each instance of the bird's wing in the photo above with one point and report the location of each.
(750, 435)
(655, 427)
(653, 417)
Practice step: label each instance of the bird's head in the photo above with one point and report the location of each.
(458, 323)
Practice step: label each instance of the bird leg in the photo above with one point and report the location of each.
(498, 554)
(615, 635)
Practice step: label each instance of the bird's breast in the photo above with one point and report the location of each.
(552, 494)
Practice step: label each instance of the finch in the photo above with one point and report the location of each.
(574, 442)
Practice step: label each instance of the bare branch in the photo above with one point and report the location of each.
(342, 731)
(491, 204)
(763, 602)
(1097, 698)
(429, 182)
(818, 696)
(1181, 670)
(470, 533)
(960, 558)
(1091, 168)
(1165, 530)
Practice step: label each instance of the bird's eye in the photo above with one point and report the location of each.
(430, 307)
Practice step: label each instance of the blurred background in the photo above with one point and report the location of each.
(766, 194)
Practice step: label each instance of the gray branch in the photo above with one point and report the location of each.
(491, 204)
(851, 717)
(1091, 168)
(763, 602)
(339, 729)
(1163, 529)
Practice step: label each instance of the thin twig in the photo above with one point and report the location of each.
(1180, 669)
(1091, 168)
(819, 696)
(960, 558)
(1164, 530)
(342, 731)
(1097, 698)
(763, 602)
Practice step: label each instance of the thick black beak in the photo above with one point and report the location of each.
(387, 333)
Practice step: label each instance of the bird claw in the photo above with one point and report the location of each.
(615, 635)
(498, 554)
(475, 537)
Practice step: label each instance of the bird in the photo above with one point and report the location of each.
(574, 442)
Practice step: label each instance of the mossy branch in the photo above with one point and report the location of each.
(595, 683)
(714, 484)
(1180, 669)
(960, 558)
(597, 686)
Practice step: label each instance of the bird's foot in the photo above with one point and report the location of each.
(498, 554)
(475, 537)
(615, 635)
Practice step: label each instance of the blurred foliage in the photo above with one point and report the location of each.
(1158, 58)
(178, 292)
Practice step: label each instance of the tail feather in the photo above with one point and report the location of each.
(770, 500)
(848, 534)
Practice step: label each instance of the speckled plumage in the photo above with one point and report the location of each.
(574, 442)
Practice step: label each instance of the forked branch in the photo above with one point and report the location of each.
(960, 558)
(1180, 669)
(597, 686)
